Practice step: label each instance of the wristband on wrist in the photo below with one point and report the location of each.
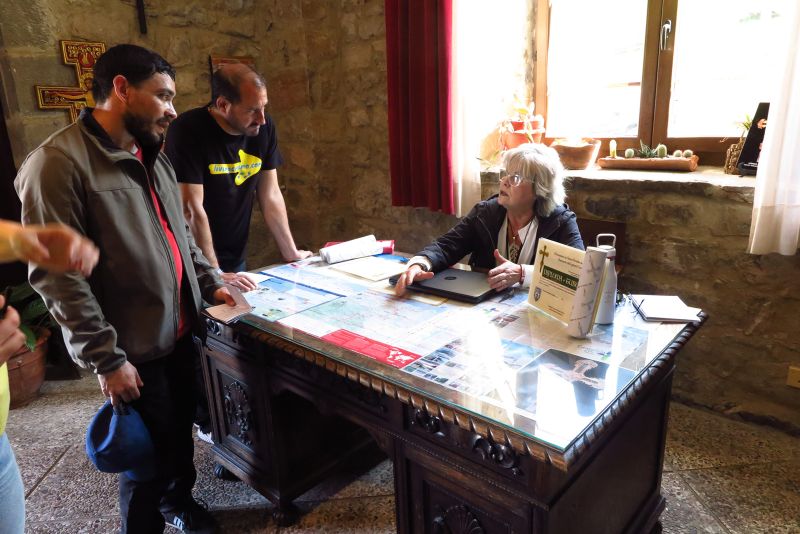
(521, 274)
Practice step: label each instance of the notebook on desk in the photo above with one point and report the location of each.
(466, 286)
(664, 308)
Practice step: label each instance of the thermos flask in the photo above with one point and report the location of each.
(608, 295)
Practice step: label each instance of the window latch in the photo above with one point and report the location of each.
(666, 29)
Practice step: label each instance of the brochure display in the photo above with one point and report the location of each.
(566, 282)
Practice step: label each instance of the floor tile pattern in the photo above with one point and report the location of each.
(720, 476)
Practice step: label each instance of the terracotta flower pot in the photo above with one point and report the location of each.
(26, 371)
(519, 137)
(578, 156)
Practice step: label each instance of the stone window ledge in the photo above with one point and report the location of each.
(702, 182)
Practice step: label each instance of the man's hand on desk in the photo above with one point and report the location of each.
(413, 273)
(241, 281)
(299, 255)
(223, 296)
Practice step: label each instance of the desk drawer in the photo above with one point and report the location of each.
(229, 336)
(481, 452)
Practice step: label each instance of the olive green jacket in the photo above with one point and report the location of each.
(128, 308)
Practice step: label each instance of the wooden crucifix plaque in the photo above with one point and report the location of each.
(81, 55)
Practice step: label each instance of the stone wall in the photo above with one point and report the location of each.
(326, 72)
(689, 238)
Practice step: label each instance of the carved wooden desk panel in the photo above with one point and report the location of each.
(286, 415)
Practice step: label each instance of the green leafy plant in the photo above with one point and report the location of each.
(33, 314)
(745, 124)
(645, 151)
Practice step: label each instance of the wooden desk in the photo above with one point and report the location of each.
(288, 409)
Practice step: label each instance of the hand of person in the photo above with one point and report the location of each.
(122, 384)
(413, 273)
(223, 296)
(240, 281)
(55, 247)
(11, 338)
(299, 255)
(505, 275)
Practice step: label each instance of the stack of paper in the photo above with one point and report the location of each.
(373, 267)
(664, 308)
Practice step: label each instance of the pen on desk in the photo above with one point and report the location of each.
(6, 297)
(637, 306)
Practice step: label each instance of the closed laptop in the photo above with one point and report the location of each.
(467, 286)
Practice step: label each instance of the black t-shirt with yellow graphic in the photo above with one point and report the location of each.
(227, 166)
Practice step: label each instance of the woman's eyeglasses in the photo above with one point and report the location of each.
(513, 179)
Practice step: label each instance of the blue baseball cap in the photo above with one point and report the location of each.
(117, 441)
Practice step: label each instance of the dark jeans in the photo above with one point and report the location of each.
(232, 266)
(202, 417)
(167, 404)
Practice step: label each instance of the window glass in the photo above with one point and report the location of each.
(724, 64)
(594, 68)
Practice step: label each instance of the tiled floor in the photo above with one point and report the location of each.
(719, 476)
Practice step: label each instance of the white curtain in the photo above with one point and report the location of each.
(775, 226)
(489, 41)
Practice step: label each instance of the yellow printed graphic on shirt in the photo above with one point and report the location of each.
(246, 167)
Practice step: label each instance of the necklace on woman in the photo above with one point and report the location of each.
(515, 245)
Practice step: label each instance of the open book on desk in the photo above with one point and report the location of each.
(664, 308)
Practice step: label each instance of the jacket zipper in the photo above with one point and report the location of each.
(165, 244)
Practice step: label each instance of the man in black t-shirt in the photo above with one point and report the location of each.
(225, 155)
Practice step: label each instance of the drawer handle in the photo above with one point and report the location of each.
(424, 419)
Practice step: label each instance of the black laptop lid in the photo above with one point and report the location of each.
(467, 286)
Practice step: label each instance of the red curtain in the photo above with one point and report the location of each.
(418, 56)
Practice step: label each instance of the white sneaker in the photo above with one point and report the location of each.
(204, 436)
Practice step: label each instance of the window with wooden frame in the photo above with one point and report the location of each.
(685, 73)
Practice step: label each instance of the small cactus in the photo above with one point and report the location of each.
(629, 153)
(661, 151)
(688, 153)
(677, 154)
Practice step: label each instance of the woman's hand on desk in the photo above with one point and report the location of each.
(413, 273)
(505, 275)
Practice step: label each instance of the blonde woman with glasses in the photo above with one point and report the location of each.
(502, 232)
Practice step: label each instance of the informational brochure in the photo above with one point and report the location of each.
(468, 367)
(556, 272)
(587, 294)
(276, 298)
(318, 278)
(560, 393)
(566, 282)
(417, 328)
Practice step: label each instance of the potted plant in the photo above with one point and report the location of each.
(26, 368)
(523, 127)
(733, 152)
(648, 158)
(577, 154)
